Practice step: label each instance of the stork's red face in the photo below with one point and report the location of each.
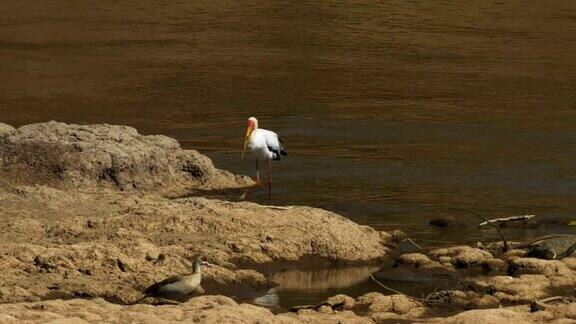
(250, 128)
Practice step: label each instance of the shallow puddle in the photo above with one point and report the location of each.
(303, 287)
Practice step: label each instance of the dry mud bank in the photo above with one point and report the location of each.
(370, 308)
(88, 224)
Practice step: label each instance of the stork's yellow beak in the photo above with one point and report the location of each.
(248, 133)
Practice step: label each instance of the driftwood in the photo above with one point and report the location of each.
(506, 219)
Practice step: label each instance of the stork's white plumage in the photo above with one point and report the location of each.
(265, 146)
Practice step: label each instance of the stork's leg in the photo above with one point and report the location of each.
(257, 173)
(269, 179)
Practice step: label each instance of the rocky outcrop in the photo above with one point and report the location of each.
(454, 263)
(87, 156)
(487, 279)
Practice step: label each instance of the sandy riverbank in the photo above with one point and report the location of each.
(89, 220)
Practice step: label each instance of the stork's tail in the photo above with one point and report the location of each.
(282, 150)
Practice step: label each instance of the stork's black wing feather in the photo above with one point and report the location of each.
(282, 150)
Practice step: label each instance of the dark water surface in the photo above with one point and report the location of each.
(393, 111)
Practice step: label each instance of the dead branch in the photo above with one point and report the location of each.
(413, 243)
(506, 219)
(491, 224)
(396, 291)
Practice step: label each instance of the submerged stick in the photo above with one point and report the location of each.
(413, 243)
(492, 224)
(394, 290)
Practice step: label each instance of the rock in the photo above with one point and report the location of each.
(369, 298)
(311, 316)
(525, 288)
(463, 299)
(445, 260)
(398, 235)
(5, 128)
(378, 303)
(72, 156)
(15, 293)
(418, 266)
(570, 262)
(385, 317)
(512, 254)
(538, 266)
(415, 260)
(386, 238)
(346, 302)
(462, 256)
(445, 221)
(205, 309)
(495, 266)
(467, 258)
(492, 316)
(484, 302)
(324, 309)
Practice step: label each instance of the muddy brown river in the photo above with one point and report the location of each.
(393, 112)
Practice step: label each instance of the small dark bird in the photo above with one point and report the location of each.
(178, 286)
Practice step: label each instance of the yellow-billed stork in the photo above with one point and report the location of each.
(265, 146)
